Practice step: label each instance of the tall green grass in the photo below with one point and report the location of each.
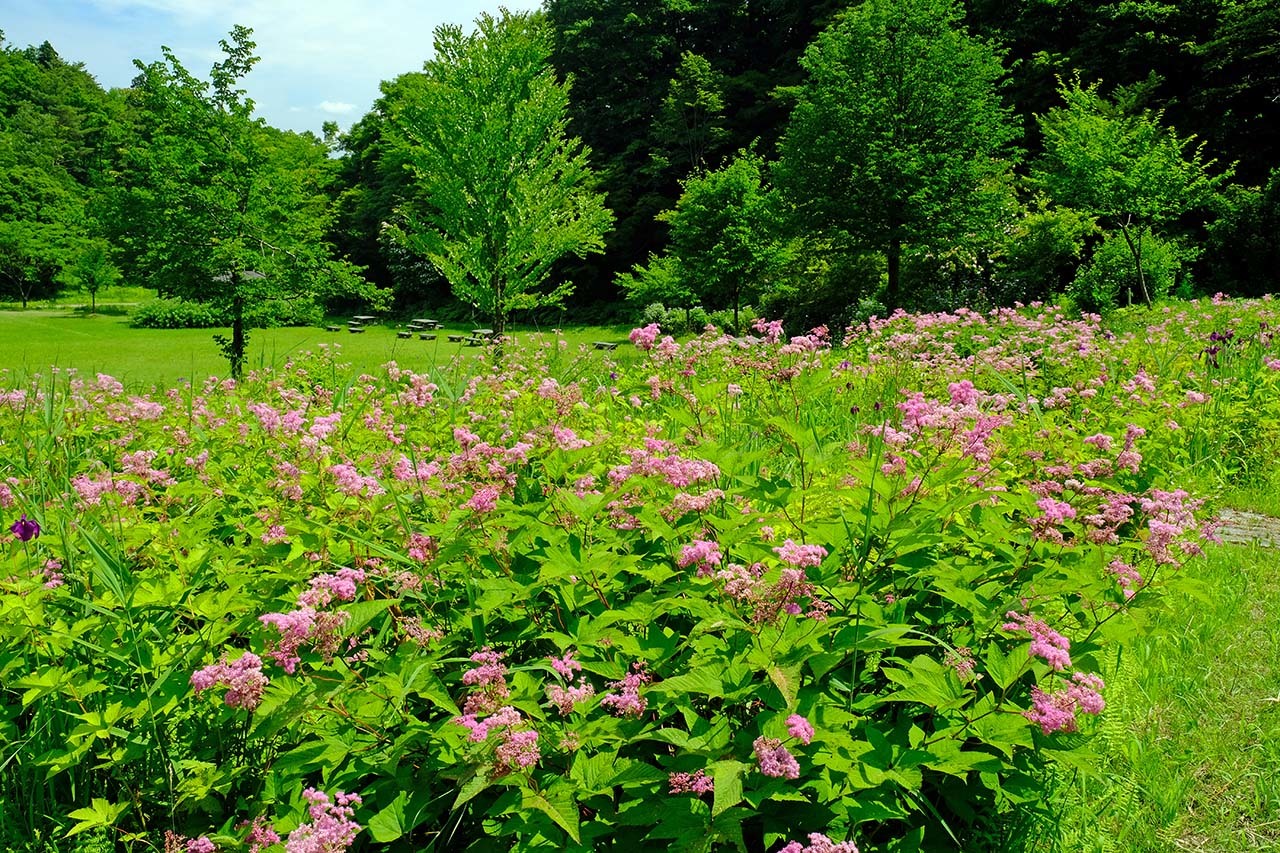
(1188, 757)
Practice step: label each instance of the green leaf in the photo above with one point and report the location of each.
(388, 824)
(787, 680)
(558, 804)
(728, 785)
(99, 814)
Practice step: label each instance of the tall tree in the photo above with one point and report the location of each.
(899, 137)
(508, 190)
(220, 208)
(1122, 166)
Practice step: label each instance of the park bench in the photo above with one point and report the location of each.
(408, 333)
(426, 336)
(356, 330)
(457, 339)
(333, 328)
(609, 345)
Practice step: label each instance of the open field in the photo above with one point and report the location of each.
(33, 340)
(946, 584)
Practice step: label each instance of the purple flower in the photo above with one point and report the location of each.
(25, 528)
(799, 728)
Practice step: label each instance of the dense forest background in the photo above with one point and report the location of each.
(814, 159)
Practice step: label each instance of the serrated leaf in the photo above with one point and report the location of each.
(787, 680)
(728, 787)
(558, 804)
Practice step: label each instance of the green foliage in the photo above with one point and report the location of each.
(176, 314)
(185, 314)
(1124, 168)
(509, 191)
(1241, 253)
(898, 138)
(1042, 253)
(692, 117)
(1110, 280)
(725, 242)
(219, 208)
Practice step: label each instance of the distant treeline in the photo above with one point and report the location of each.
(810, 158)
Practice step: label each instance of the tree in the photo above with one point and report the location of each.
(898, 137)
(91, 269)
(692, 117)
(724, 241)
(211, 194)
(1125, 168)
(509, 191)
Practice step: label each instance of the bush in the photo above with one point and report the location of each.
(1111, 279)
(176, 314)
(167, 313)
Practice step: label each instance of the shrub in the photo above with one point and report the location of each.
(176, 314)
(1110, 280)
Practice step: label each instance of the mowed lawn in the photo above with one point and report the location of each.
(32, 341)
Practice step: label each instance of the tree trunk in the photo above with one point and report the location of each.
(1136, 250)
(236, 354)
(93, 302)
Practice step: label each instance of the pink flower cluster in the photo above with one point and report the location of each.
(1046, 643)
(324, 589)
(774, 759)
(819, 843)
(1055, 712)
(244, 680)
(645, 336)
(701, 553)
(800, 728)
(697, 782)
(330, 829)
(489, 680)
(800, 556)
(627, 701)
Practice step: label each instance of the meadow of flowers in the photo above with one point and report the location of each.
(779, 593)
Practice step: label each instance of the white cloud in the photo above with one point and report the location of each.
(336, 108)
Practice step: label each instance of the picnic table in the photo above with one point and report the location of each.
(362, 319)
(425, 323)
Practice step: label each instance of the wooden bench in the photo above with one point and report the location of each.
(609, 345)
(407, 334)
(356, 330)
(426, 336)
(457, 339)
(333, 328)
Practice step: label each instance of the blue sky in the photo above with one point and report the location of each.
(321, 59)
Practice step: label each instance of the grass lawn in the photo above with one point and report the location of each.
(34, 340)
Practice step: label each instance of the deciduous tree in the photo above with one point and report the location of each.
(1121, 166)
(899, 137)
(219, 208)
(508, 190)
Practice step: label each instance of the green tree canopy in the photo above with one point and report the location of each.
(1121, 166)
(724, 241)
(219, 208)
(899, 137)
(508, 190)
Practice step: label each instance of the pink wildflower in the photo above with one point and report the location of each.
(330, 829)
(1046, 643)
(484, 500)
(243, 679)
(774, 759)
(800, 555)
(628, 702)
(697, 782)
(702, 553)
(644, 337)
(800, 728)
